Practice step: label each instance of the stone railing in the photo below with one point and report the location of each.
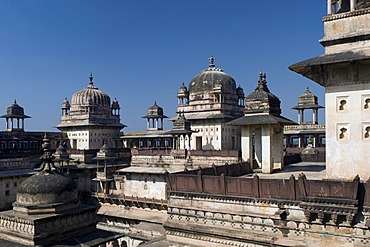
(130, 200)
(304, 127)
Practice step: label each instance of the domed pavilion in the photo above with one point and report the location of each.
(90, 119)
(209, 103)
(262, 129)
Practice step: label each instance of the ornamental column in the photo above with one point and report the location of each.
(352, 5)
(329, 5)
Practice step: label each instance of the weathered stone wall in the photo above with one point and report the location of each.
(341, 27)
(209, 221)
(144, 185)
(8, 190)
(288, 212)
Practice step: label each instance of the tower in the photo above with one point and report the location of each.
(344, 71)
(15, 117)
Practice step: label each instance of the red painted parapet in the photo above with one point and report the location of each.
(328, 188)
(281, 189)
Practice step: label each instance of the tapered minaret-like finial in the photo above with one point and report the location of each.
(91, 79)
(211, 62)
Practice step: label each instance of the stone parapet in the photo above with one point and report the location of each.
(292, 212)
(36, 230)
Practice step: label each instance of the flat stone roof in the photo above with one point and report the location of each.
(152, 170)
(20, 172)
(153, 216)
(312, 170)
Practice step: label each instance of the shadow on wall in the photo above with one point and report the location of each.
(208, 146)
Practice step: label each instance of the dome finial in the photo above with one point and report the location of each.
(211, 62)
(262, 83)
(15, 101)
(91, 79)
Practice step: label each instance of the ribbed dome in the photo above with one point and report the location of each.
(47, 187)
(212, 79)
(91, 95)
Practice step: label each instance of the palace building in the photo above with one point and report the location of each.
(209, 103)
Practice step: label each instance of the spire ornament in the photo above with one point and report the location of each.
(211, 62)
(47, 157)
(91, 79)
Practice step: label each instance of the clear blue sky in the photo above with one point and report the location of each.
(141, 51)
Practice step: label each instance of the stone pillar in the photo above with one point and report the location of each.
(267, 139)
(189, 141)
(247, 145)
(148, 124)
(11, 120)
(278, 145)
(258, 146)
(161, 123)
(329, 6)
(299, 116)
(314, 116)
(7, 123)
(302, 116)
(352, 5)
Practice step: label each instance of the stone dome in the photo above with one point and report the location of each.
(91, 95)
(155, 111)
(212, 80)
(65, 104)
(15, 111)
(183, 89)
(115, 104)
(307, 100)
(240, 91)
(47, 187)
(262, 100)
